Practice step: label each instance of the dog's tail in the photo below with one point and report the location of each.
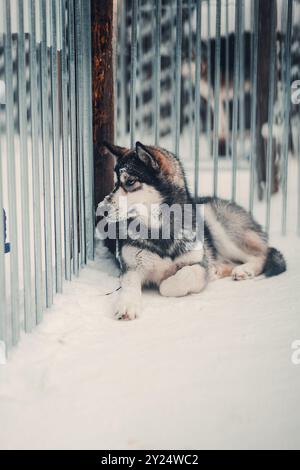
(275, 263)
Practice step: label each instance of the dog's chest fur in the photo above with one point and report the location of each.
(153, 266)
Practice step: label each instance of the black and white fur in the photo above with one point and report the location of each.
(234, 244)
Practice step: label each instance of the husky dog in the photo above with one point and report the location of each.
(233, 243)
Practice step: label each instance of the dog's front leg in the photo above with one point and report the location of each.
(130, 299)
(187, 280)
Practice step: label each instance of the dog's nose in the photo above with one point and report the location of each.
(104, 205)
(107, 199)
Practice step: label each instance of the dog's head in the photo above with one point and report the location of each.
(145, 175)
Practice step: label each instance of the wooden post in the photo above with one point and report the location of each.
(103, 93)
(264, 52)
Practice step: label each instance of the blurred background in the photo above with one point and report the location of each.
(239, 137)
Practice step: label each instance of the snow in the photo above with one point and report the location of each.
(212, 370)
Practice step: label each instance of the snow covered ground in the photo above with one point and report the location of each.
(212, 370)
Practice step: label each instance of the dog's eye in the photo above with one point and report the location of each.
(130, 182)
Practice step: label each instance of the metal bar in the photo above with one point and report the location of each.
(242, 78)
(87, 129)
(298, 205)
(66, 152)
(283, 43)
(271, 118)
(172, 17)
(178, 75)
(217, 97)
(139, 88)
(56, 149)
(116, 123)
(72, 90)
(287, 107)
(79, 99)
(103, 103)
(253, 104)
(122, 68)
(133, 71)
(157, 65)
(46, 155)
(227, 80)
(40, 149)
(252, 20)
(208, 109)
(3, 304)
(283, 22)
(197, 92)
(190, 78)
(118, 71)
(35, 164)
(235, 101)
(153, 20)
(11, 169)
(24, 171)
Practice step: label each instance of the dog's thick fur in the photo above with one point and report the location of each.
(234, 244)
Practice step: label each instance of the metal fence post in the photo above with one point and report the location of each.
(178, 75)
(103, 95)
(87, 127)
(73, 134)
(264, 56)
(57, 154)
(197, 94)
(270, 149)
(287, 109)
(38, 274)
(134, 17)
(11, 166)
(46, 154)
(26, 248)
(235, 100)
(3, 305)
(157, 72)
(254, 71)
(217, 97)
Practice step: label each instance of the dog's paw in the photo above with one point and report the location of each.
(175, 286)
(128, 310)
(188, 280)
(243, 273)
(219, 271)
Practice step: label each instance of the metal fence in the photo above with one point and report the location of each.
(191, 77)
(46, 169)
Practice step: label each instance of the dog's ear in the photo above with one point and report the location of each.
(147, 156)
(115, 150)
